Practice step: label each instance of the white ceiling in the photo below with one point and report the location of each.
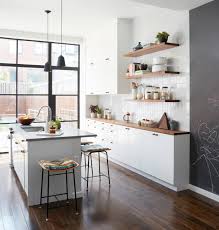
(174, 4)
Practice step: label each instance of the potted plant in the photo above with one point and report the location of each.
(52, 127)
(99, 112)
(162, 37)
(93, 111)
(58, 123)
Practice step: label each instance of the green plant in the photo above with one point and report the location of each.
(99, 110)
(162, 36)
(58, 122)
(93, 108)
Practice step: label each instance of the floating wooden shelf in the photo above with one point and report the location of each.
(151, 49)
(152, 74)
(145, 101)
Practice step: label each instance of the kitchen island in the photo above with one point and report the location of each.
(27, 147)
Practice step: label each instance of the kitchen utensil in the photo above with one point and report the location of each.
(126, 117)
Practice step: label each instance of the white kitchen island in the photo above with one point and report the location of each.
(27, 148)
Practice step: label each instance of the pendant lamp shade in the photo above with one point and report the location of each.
(47, 66)
(61, 59)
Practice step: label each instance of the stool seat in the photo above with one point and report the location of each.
(58, 165)
(86, 142)
(93, 148)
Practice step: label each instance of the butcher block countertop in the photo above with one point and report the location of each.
(136, 126)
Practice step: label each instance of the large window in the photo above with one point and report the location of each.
(25, 87)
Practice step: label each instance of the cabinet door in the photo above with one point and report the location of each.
(158, 156)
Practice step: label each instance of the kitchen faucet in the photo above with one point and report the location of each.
(49, 118)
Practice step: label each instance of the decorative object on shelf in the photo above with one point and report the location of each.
(159, 68)
(126, 117)
(140, 94)
(165, 94)
(61, 59)
(159, 61)
(134, 90)
(109, 115)
(138, 47)
(156, 95)
(162, 37)
(174, 125)
(164, 122)
(147, 123)
(99, 112)
(93, 111)
(47, 66)
(105, 113)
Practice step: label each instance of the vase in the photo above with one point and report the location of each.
(99, 116)
(134, 94)
(93, 115)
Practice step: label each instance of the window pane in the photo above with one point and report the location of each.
(7, 80)
(7, 109)
(32, 81)
(31, 104)
(64, 82)
(8, 51)
(72, 124)
(70, 53)
(67, 107)
(32, 52)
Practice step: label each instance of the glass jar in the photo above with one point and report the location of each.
(148, 95)
(164, 93)
(156, 95)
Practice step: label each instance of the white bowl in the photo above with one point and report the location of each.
(158, 68)
(159, 61)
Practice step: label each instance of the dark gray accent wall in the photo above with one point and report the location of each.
(204, 48)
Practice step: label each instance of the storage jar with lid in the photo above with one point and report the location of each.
(164, 93)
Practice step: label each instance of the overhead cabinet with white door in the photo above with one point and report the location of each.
(105, 64)
(162, 156)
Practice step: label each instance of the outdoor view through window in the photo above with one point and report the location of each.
(25, 87)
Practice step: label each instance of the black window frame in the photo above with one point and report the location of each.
(51, 97)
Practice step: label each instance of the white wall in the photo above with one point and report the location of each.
(145, 29)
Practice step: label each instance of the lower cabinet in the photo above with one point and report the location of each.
(159, 155)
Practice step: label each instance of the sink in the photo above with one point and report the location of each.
(32, 128)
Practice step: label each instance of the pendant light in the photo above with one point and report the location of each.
(61, 59)
(47, 66)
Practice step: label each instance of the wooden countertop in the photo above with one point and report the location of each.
(136, 126)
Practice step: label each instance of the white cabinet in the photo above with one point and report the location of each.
(164, 157)
(105, 64)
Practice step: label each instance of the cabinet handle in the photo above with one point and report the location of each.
(16, 143)
(111, 131)
(22, 151)
(22, 140)
(127, 128)
(111, 142)
(155, 134)
(107, 92)
(107, 59)
(91, 63)
(91, 93)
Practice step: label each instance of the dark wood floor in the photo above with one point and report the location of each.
(131, 203)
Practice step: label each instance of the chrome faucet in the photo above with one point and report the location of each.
(49, 118)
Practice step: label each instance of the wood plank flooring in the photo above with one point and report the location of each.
(132, 203)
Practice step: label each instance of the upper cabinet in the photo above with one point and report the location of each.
(105, 64)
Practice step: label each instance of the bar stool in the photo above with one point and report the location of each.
(58, 167)
(85, 160)
(91, 149)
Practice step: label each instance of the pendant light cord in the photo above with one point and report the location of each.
(61, 27)
(47, 27)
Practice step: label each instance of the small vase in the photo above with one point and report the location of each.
(93, 115)
(134, 94)
(99, 116)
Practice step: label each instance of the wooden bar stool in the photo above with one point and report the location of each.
(91, 149)
(56, 168)
(85, 160)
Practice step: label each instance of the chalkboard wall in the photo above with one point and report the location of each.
(204, 48)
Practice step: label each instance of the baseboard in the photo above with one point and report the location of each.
(203, 192)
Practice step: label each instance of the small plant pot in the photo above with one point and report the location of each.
(99, 116)
(162, 40)
(52, 130)
(93, 115)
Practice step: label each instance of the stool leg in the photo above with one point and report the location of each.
(99, 165)
(76, 202)
(47, 204)
(108, 166)
(85, 164)
(66, 178)
(41, 189)
(88, 164)
(91, 160)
